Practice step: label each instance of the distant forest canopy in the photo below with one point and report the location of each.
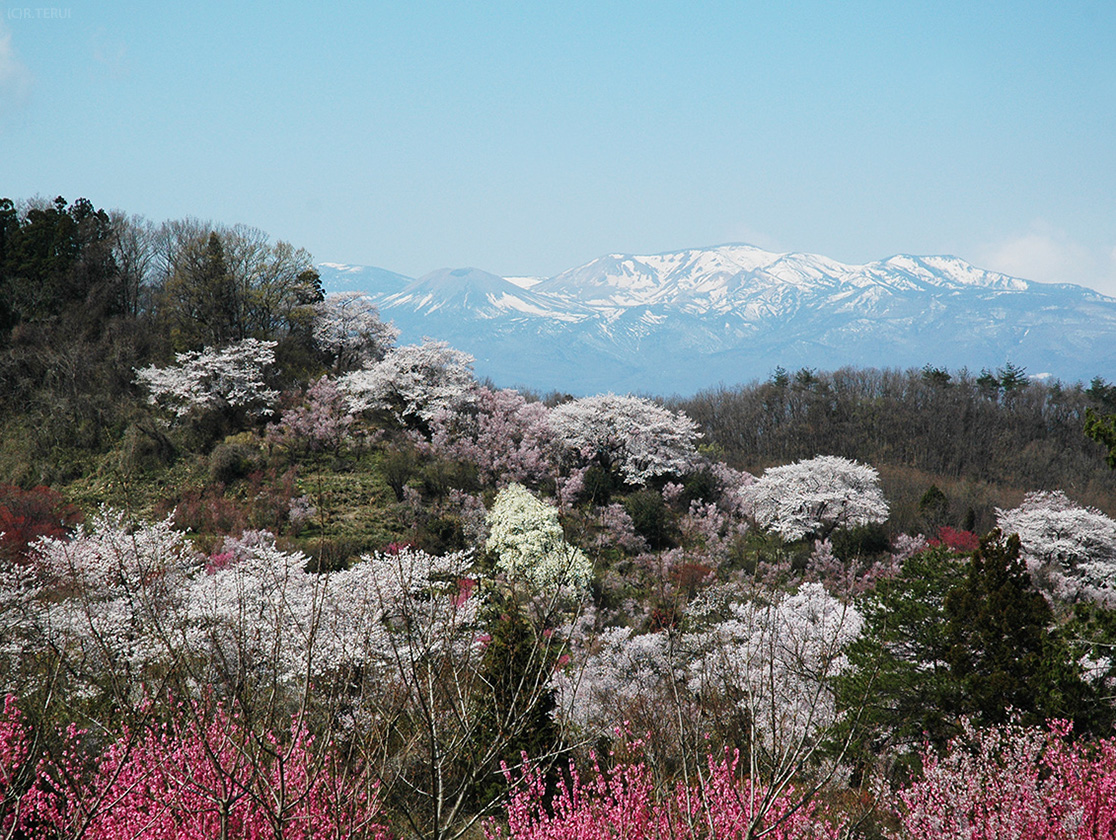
(970, 432)
(88, 296)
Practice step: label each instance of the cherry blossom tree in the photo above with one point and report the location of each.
(816, 496)
(507, 437)
(221, 379)
(347, 326)
(1069, 549)
(626, 677)
(524, 532)
(322, 421)
(109, 598)
(413, 382)
(775, 657)
(635, 437)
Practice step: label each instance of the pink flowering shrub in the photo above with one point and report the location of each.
(200, 775)
(321, 422)
(625, 804)
(507, 437)
(1013, 783)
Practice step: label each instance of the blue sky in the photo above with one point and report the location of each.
(528, 137)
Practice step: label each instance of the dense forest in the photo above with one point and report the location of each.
(264, 572)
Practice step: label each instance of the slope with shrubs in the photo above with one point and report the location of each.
(327, 584)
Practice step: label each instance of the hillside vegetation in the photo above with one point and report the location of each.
(266, 572)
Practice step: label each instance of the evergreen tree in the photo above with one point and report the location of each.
(1003, 651)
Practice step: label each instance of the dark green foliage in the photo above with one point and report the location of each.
(230, 462)
(951, 637)
(701, 486)
(518, 703)
(933, 508)
(1102, 429)
(599, 485)
(57, 262)
(1004, 652)
(997, 633)
(651, 518)
(898, 679)
(861, 543)
(399, 465)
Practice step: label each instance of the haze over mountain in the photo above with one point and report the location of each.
(681, 321)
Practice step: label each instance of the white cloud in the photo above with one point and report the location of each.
(110, 52)
(751, 236)
(1049, 255)
(15, 78)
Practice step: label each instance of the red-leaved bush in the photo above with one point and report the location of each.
(624, 804)
(26, 515)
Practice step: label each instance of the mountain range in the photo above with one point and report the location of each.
(678, 322)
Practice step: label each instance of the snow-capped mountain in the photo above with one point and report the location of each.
(681, 321)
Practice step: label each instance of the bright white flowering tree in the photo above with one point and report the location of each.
(231, 377)
(413, 382)
(626, 677)
(526, 535)
(348, 327)
(636, 437)
(113, 596)
(816, 497)
(1069, 549)
(775, 658)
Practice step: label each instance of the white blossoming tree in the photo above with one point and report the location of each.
(635, 437)
(524, 532)
(816, 497)
(775, 657)
(113, 601)
(413, 382)
(230, 378)
(1069, 549)
(347, 326)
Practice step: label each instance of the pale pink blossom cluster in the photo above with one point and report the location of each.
(505, 435)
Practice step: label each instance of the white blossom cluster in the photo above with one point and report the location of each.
(638, 437)
(214, 378)
(413, 382)
(775, 658)
(114, 596)
(626, 673)
(1069, 549)
(816, 496)
(526, 535)
(123, 598)
(347, 326)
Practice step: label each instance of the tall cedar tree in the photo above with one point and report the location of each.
(1002, 650)
(898, 688)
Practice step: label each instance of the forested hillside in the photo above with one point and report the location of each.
(264, 571)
